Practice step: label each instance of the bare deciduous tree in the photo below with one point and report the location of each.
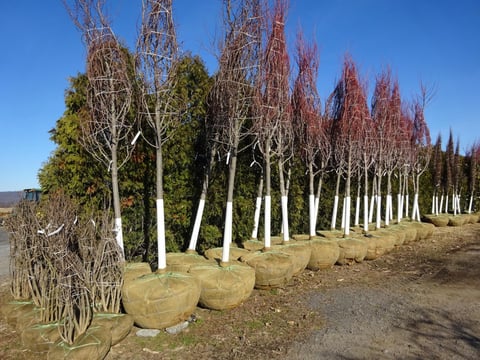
(307, 118)
(348, 110)
(232, 98)
(420, 144)
(106, 134)
(273, 128)
(157, 52)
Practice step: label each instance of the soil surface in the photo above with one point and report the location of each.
(422, 300)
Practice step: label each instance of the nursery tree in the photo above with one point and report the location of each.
(397, 138)
(448, 175)
(307, 119)
(233, 91)
(273, 127)
(349, 111)
(157, 52)
(457, 165)
(472, 160)
(420, 145)
(436, 173)
(105, 133)
(383, 134)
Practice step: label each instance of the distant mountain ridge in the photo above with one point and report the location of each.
(10, 198)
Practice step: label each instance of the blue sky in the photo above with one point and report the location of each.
(434, 41)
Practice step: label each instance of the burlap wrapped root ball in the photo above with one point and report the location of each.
(94, 344)
(13, 309)
(474, 218)
(398, 234)
(157, 301)
(224, 287)
(375, 248)
(26, 316)
(324, 254)
(182, 262)
(409, 231)
(426, 230)
(351, 251)
(253, 245)
(135, 270)
(387, 239)
(456, 220)
(217, 253)
(437, 220)
(300, 254)
(38, 338)
(301, 237)
(272, 268)
(119, 325)
(330, 234)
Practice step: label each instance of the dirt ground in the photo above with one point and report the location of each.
(421, 300)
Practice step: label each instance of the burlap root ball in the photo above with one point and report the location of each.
(409, 231)
(437, 220)
(427, 230)
(324, 254)
(135, 270)
(224, 287)
(217, 253)
(351, 251)
(374, 247)
(118, 324)
(474, 218)
(399, 235)
(330, 234)
(94, 344)
(387, 239)
(182, 262)
(157, 301)
(13, 309)
(300, 252)
(422, 231)
(457, 220)
(26, 316)
(301, 237)
(253, 245)
(39, 337)
(272, 268)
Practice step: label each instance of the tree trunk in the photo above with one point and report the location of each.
(317, 197)
(116, 199)
(335, 203)
(161, 248)
(348, 192)
(284, 199)
(311, 200)
(388, 205)
(227, 231)
(379, 201)
(201, 204)
(258, 206)
(268, 200)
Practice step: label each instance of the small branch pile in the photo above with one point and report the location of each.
(69, 268)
